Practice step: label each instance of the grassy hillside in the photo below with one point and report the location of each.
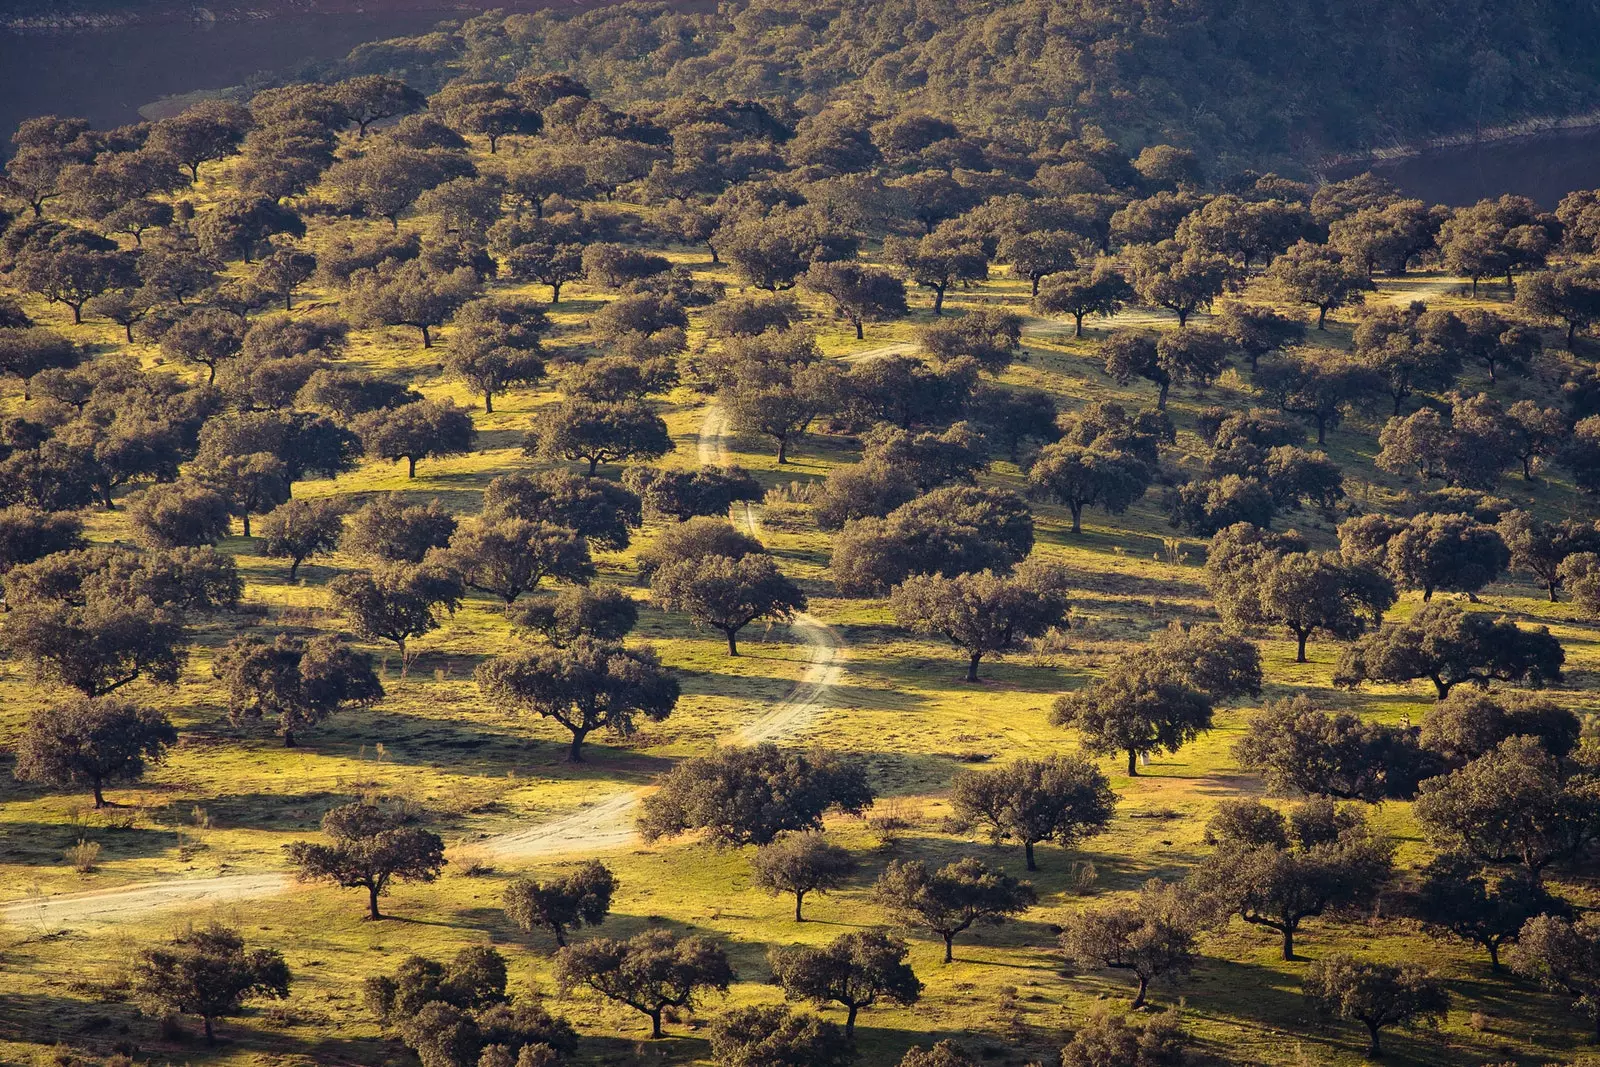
(230, 798)
(1247, 81)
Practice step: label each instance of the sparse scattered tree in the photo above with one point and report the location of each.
(753, 795)
(801, 863)
(1301, 751)
(208, 972)
(1277, 872)
(650, 972)
(855, 971)
(1456, 899)
(727, 594)
(370, 848)
(1377, 995)
(430, 429)
(1563, 955)
(1512, 805)
(92, 741)
(299, 683)
(508, 557)
(587, 686)
(1061, 799)
(1448, 646)
(605, 432)
(1133, 712)
(300, 529)
(952, 899)
(395, 602)
(1153, 936)
(581, 898)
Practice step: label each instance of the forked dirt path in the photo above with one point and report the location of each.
(602, 826)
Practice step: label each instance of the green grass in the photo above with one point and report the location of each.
(231, 796)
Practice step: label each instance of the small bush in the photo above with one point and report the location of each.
(469, 861)
(83, 856)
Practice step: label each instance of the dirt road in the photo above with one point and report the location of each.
(603, 826)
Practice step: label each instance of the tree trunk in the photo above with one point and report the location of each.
(246, 518)
(99, 797)
(288, 739)
(799, 896)
(972, 666)
(427, 338)
(850, 1019)
(949, 952)
(733, 646)
(1077, 517)
(1442, 688)
(411, 466)
(1027, 851)
(575, 750)
(859, 334)
(294, 568)
(1322, 429)
(1572, 331)
(1161, 398)
(288, 301)
(938, 300)
(211, 1037)
(1077, 328)
(488, 402)
(1300, 653)
(783, 450)
(127, 328)
(1183, 317)
(1427, 593)
(561, 935)
(1035, 285)
(594, 465)
(1494, 956)
(1133, 764)
(1288, 942)
(555, 292)
(1551, 587)
(1322, 318)
(1138, 998)
(713, 250)
(372, 903)
(655, 1022)
(1374, 1050)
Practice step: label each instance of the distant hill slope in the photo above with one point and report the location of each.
(1250, 81)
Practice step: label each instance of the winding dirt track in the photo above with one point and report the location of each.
(603, 826)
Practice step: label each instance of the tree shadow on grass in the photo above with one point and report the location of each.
(877, 1044)
(462, 746)
(42, 843)
(1267, 1002)
(282, 812)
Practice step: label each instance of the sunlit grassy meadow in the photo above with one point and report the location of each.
(232, 796)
